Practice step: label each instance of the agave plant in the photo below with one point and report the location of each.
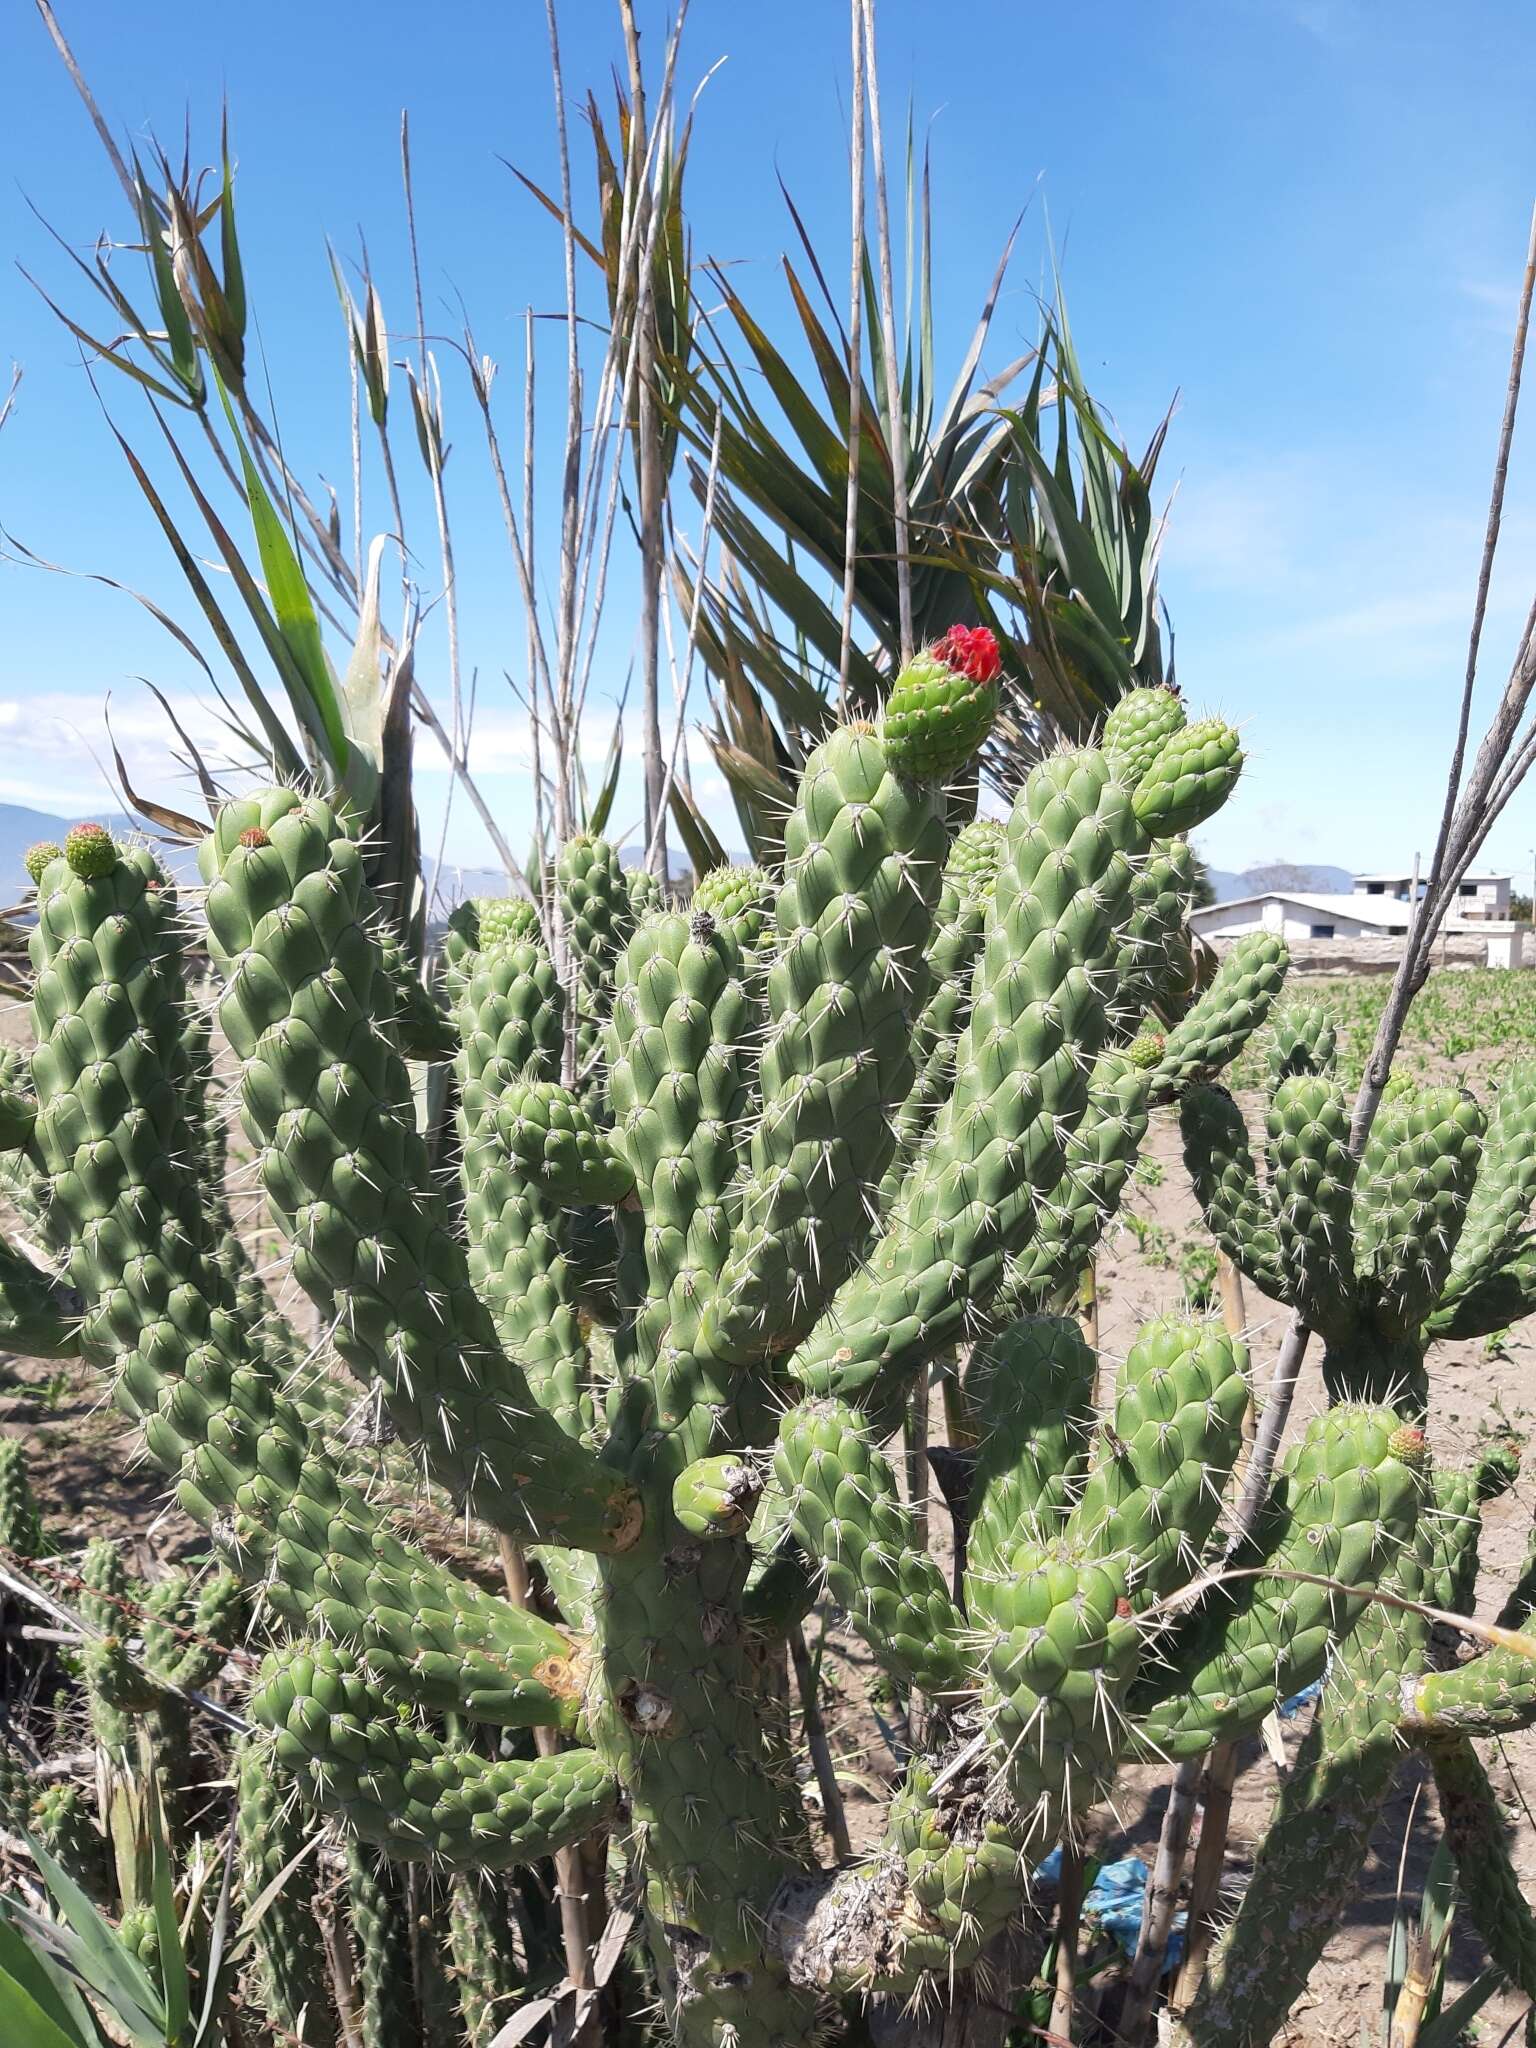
(1056, 553)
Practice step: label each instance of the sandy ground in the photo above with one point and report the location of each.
(92, 1480)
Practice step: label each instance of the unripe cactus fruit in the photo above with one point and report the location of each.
(505, 920)
(976, 856)
(39, 856)
(1303, 1042)
(599, 922)
(943, 704)
(90, 850)
(1146, 1049)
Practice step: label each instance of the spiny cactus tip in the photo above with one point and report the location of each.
(40, 856)
(90, 851)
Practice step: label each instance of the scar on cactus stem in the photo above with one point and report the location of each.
(90, 851)
(943, 704)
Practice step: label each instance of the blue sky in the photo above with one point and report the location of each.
(1306, 216)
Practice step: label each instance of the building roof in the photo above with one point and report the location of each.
(1382, 911)
(1362, 909)
(1407, 876)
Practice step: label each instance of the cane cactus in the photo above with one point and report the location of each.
(281, 1889)
(1423, 1237)
(715, 1124)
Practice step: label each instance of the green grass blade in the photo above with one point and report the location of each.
(32, 1974)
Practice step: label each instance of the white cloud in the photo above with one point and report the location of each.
(56, 753)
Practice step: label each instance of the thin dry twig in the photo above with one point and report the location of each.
(855, 357)
(682, 684)
(896, 424)
(821, 1750)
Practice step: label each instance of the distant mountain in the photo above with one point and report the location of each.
(460, 882)
(21, 827)
(1311, 879)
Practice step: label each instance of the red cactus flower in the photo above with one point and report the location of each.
(972, 651)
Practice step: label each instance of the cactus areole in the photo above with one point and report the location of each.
(837, 1122)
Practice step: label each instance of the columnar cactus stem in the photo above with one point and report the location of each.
(335, 1733)
(509, 1018)
(863, 855)
(272, 1829)
(346, 1171)
(1485, 1876)
(386, 1980)
(598, 919)
(1020, 1088)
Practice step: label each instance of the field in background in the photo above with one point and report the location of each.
(1465, 1024)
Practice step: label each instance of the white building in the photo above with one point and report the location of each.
(1300, 915)
(1478, 895)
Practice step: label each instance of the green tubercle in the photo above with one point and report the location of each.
(741, 899)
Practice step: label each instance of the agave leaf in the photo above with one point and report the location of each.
(294, 683)
(36, 1995)
(104, 351)
(583, 242)
(177, 823)
(86, 1945)
(821, 443)
(174, 1979)
(178, 327)
(286, 761)
(293, 608)
(699, 841)
(394, 853)
(743, 768)
(222, 1961)
(1084, 568)
(1450, 2026)
(205, 781)
(362, 690)
(597, 817)
(26, 2023)
(229, 242)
